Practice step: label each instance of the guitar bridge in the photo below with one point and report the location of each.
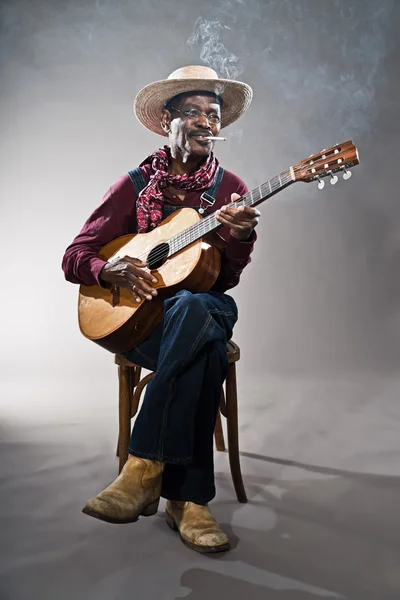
(115, 295)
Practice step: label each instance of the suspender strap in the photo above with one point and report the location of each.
(210, 194)
(138, 181)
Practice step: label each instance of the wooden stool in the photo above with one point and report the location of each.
(130, 391)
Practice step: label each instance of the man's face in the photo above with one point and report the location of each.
(189, 130)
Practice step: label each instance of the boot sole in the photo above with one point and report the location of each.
(148, 511)
(196, 547)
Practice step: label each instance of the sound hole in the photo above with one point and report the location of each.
(158, 256)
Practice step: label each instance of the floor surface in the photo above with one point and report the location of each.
(321, 464)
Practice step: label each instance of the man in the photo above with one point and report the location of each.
(171, 447)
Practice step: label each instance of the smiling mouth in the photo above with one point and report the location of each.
(203, 137)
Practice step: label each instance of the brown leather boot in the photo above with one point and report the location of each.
(196, 526)
(136, 491)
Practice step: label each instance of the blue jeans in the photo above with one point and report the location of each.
(177, 418)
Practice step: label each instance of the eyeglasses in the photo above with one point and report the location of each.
(196, 114)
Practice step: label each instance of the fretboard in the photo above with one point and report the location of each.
(209, 223)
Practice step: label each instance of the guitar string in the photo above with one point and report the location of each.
(197, 230)
(192, 233)
(202, 227)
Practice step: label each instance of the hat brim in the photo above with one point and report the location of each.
(150, 101)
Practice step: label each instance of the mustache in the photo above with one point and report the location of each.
(202, 133)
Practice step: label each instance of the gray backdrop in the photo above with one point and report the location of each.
(319, 305)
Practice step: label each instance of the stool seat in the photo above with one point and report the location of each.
(131, 386)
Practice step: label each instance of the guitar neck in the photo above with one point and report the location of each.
(210, 223)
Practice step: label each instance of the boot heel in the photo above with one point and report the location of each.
(170, 521)
(151, 509)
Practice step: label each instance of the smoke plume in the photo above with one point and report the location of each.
(213, 52)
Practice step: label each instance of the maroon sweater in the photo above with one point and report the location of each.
(116, 216)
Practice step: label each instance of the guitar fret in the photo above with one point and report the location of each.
(209, 223)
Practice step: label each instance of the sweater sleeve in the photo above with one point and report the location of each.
(236, 254)
(113, 218)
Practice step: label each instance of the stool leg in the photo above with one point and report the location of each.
(136, 377)
(219, 434)
(233, 433)
(124, 415)
(132, 384)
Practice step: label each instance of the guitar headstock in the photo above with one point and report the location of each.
(328, 162)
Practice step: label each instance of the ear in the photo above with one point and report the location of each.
(166, 120)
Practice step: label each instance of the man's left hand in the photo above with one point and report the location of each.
(241, 220)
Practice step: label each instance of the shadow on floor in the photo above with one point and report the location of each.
(307, 532)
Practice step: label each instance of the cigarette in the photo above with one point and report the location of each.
(215, 139)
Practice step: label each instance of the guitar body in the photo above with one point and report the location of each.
(118, 323)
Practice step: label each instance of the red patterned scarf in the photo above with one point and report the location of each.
(150, 202)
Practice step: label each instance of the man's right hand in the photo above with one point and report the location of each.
(128, 273)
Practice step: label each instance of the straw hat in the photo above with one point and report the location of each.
(151, 99)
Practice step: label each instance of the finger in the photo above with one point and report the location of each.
(238, 219)
(145, 290)
(246, 222)
(235, 197)
(137, 285)
(232, 218)
(147, 276)
(231, 209)
(239, 227)
(248, 225)
(138, 272)
(225, 221)
(142, 289)
(135, 261)
(140, 294)
(230, 212)
(131, 267)
(249, 211)
(134, 293)
(133, 275)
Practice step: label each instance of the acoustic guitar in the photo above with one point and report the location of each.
(183, 252)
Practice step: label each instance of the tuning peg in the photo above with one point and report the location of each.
(321, 183)
(334, 179)
(347, 174)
